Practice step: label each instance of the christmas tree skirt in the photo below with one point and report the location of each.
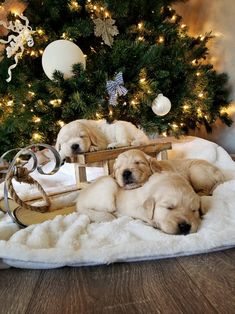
(73, 241)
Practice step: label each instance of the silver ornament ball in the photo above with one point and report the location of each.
(161, 105)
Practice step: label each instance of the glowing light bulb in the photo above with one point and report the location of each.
(36, 136)
(161, 39)
(60, 123)
(142, 80)
(198, 73)
(140, 25)
(200, 95)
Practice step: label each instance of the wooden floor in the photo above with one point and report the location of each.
(195, 284)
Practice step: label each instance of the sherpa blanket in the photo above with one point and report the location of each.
(73, 241)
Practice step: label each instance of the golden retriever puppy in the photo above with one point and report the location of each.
(166, 201)
(122, 133)
(133, 168)
(80, 136)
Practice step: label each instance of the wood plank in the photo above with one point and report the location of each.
(214, 275)
(101, 155)
(147, 287)
(16, 289)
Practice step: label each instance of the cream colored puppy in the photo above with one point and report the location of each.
(166, 201)
(133, 168)
(80, 136)
(122, 133)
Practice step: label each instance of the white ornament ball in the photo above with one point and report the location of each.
(61, 55)
(161, 105)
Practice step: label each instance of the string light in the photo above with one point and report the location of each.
(60, 123)
(200, 95)
(142, 80)
(174, 126)
(31, 93)
(36, 136)
(40, 31)
(98, 115)
(173, 18)
(202, 37)
(198, 73)
(141, 38)
(183, 25)
(194, 62)
(36, 119)
(164, 134)
(74, 5)
(185, 107)
(55, 102)
(161, 39)
(140, 25)
(10, 103)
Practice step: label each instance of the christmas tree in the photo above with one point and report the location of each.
(144, 40)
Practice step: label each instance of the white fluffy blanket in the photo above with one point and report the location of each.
(72, 240)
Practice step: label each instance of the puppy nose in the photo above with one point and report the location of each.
(184, 227)
(75, 148)
(126, 174)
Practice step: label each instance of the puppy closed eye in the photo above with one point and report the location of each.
(138, 162)
(170, 207)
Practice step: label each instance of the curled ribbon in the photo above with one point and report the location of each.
(115, 88)
(17, 42)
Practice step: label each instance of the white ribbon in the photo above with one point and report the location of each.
(17, 42)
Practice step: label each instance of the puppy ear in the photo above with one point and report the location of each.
(149, 205)
(154, 165)
(97, 138)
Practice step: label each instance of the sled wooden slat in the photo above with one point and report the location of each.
(103, 155)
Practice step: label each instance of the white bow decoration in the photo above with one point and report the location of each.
(17, 42)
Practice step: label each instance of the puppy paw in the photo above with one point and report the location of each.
(93, 148)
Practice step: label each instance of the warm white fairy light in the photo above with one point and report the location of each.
(36, 119)
(140, 25)
(198, 73)
(183, 25)
(200, 95)
(161, 39)
(194, 62)
(36, 136)
(173, 18)
(174, 126)
(10, 103)
(60, 123)
(164, 134)
(31, 93)
(98, 115)
(55, 102)
(141, 38)
(142, 80)
(185, 107)
(40, 31)
(202, 37)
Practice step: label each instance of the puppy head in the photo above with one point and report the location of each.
(133, 168)
(173, 206)
(75, 138)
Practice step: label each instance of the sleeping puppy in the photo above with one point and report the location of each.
(166, 201)
(80, 136)
(133, 168)
(122, 133)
